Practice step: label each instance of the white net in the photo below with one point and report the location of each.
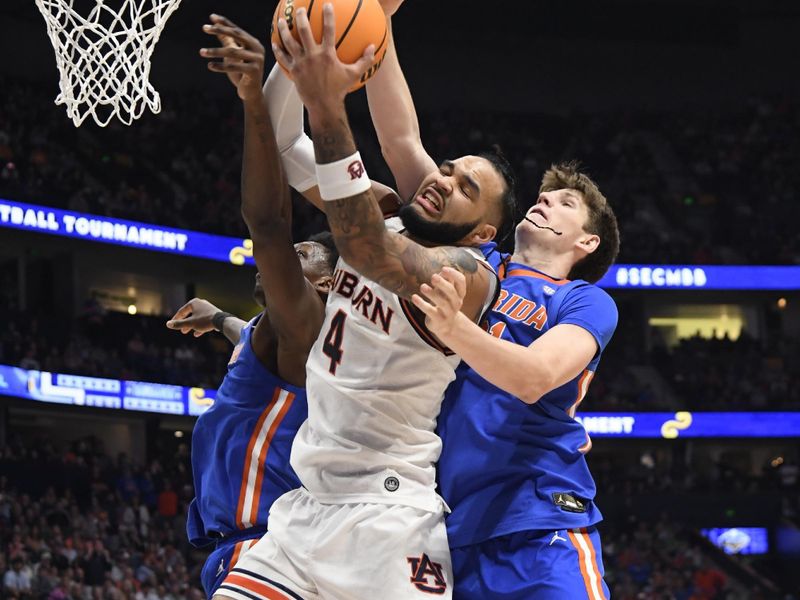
(103, 55)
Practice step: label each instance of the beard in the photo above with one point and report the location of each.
(440, 234)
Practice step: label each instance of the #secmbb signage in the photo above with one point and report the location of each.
(53, 221)
(702, 277)
(120, 232)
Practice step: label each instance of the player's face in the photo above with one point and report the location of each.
(557, 219)
(314, 260)
(463, 195)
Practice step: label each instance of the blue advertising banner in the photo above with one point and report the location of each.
(162, 398)
(53, 221)
(99, 392)
(684, 424)
(67, 223)
(701, 277)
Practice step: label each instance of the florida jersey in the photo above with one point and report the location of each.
(375, 382)
(507, 466)
(241, 447)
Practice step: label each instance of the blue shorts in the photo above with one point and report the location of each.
(532, 565)
(223, 558)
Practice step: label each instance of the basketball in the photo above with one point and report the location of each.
(359, 23)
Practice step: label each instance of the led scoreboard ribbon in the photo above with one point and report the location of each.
(67, 223)
(701, 277)
(99, 392)
(684, 424)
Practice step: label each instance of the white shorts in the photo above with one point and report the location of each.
(344, 552)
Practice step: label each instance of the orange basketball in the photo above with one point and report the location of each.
(359, 23)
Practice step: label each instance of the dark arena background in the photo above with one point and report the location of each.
(686, 113)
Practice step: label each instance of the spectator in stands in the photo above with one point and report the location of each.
(17, 580)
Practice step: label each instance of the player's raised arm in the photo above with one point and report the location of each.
(396, 262)
(292, 302)
(297, 149)
(395, 120)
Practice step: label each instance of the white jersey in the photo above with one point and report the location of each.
(375, 382)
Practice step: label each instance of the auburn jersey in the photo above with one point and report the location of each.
(375, 382)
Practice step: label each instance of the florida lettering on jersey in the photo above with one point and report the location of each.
(482, 425)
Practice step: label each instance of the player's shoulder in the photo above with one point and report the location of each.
(584, 288)
(580, 293)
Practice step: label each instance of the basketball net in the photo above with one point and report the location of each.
(103, 57)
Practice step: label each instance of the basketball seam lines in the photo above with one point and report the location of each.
(385, 35)
(350, 24)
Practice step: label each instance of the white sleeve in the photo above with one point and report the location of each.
(286, 114)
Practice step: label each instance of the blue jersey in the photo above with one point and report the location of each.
(507, 466)
(241, 447)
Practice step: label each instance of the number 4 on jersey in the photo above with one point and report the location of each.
(332, 344)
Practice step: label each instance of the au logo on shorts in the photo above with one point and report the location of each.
(423, 569)
(391, 484)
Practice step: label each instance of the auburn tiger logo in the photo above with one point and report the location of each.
(423, 569)
(356, 169)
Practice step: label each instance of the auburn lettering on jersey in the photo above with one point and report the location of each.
(375, 383)
(365, 300)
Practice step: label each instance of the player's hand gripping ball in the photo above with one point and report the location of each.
(359, 23)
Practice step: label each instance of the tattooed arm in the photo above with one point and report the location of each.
(396, 262)
(393, 260)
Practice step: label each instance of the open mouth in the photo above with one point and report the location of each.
(540, 212)
(431, 201)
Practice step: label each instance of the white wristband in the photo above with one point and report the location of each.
(343, 178)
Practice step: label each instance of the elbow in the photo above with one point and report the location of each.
(531, 394)
(536, 385)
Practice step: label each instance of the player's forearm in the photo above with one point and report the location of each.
(232, 329)
(265, 196)
(396, 125)
(392, 260)
(507, 365)
(356, 222)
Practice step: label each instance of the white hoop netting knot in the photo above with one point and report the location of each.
(103, 58)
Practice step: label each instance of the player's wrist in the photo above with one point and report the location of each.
(342, 178)
(456, 329)
(218, 320)
(325, 109)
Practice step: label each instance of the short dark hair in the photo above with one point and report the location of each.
(509, 208)
(325, 238)
(601, 222)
